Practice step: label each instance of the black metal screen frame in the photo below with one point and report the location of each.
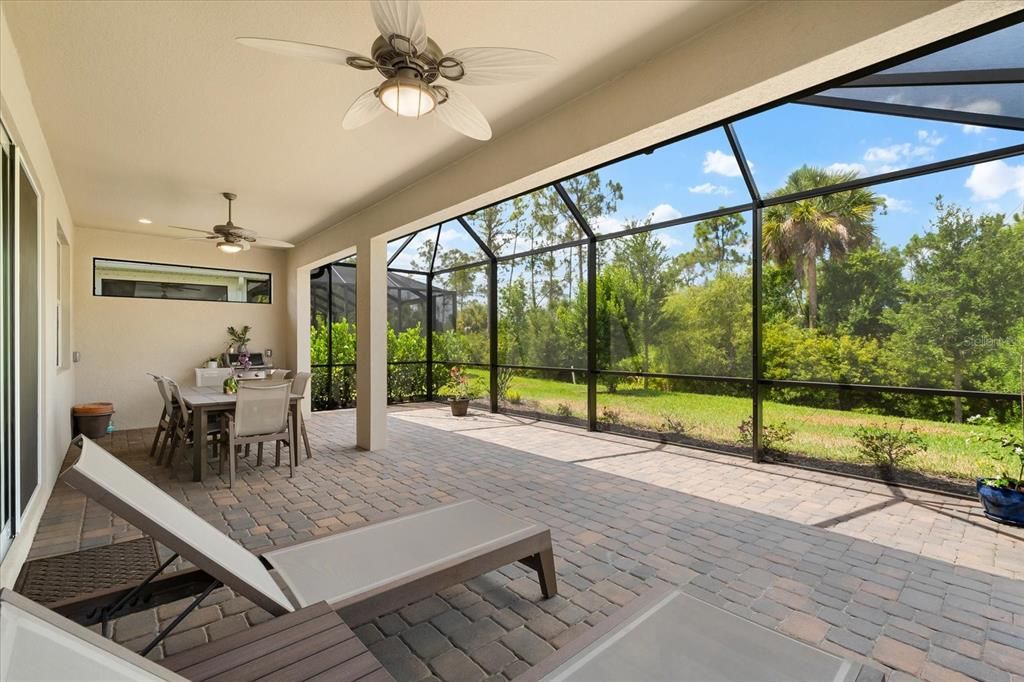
(755, 206)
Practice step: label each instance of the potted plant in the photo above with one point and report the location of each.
(231, 385)
(211, 363)
(1003, 496)
(460, 389)
(240, 338)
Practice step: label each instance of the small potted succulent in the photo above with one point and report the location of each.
(231, 385)
(1003, 496)
(460, 389)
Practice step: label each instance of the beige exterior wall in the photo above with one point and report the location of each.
(120, 339)
(57, 386)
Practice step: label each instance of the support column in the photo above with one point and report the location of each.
(371, 344)
(492, 329)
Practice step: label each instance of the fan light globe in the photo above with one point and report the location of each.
(407, 97)
(228, 247)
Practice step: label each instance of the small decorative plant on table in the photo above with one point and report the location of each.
(239, 339)
(460, 389)
(231, 385)
(1003, 496)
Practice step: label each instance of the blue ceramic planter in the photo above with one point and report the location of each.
(1005, 506)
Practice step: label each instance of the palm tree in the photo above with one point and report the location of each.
(801, 232)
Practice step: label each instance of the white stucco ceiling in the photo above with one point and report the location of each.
(151, 109)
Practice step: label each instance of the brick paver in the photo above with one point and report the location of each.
(819, 557)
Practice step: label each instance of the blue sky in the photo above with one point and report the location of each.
(700, 174)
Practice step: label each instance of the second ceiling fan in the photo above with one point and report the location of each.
(412, 65)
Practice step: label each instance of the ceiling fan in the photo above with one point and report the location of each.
(233, 238)
(412, 63)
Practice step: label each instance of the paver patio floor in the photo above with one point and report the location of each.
(920, 584)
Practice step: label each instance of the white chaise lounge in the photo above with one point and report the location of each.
(668, 636)
(361, 573)
(37, 644)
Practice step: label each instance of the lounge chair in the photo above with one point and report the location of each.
(668, 636)
(310, 644)
(361, 573)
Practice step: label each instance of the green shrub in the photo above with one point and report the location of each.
(888, 448)
(670, 424)
(563, 410)
(773, 436)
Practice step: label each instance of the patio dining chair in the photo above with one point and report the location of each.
(299, 384)
(183, 429)
(279, 374)
(168, 416)
(260, 416)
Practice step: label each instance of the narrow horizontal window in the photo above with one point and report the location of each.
(136, 279)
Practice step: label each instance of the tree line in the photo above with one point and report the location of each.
(839, 305)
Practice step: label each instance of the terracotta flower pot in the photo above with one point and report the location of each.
(92, 419)
(459, 407)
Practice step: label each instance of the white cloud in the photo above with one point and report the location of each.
(857, 168)
(994, 179)
(449, 235)
(930, 137)
(663, 212)
(710, 188)
(972, 129)
(896, 205)
(890, 158)
(721, 163)
(984, 106)
(668, 241)
(605, 224)
(893, 152)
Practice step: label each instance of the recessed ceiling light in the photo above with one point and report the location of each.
(145, 221)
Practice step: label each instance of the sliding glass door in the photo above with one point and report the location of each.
(7, 429)
(20, 338)
(29, 339)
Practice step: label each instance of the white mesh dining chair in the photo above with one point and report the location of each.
(299, 384)
(279, 374)
(261, 416)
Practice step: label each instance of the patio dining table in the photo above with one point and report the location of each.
(207, 400)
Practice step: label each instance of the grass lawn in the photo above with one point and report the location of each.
(821, 433)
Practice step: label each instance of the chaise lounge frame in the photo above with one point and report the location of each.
(259, 577)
